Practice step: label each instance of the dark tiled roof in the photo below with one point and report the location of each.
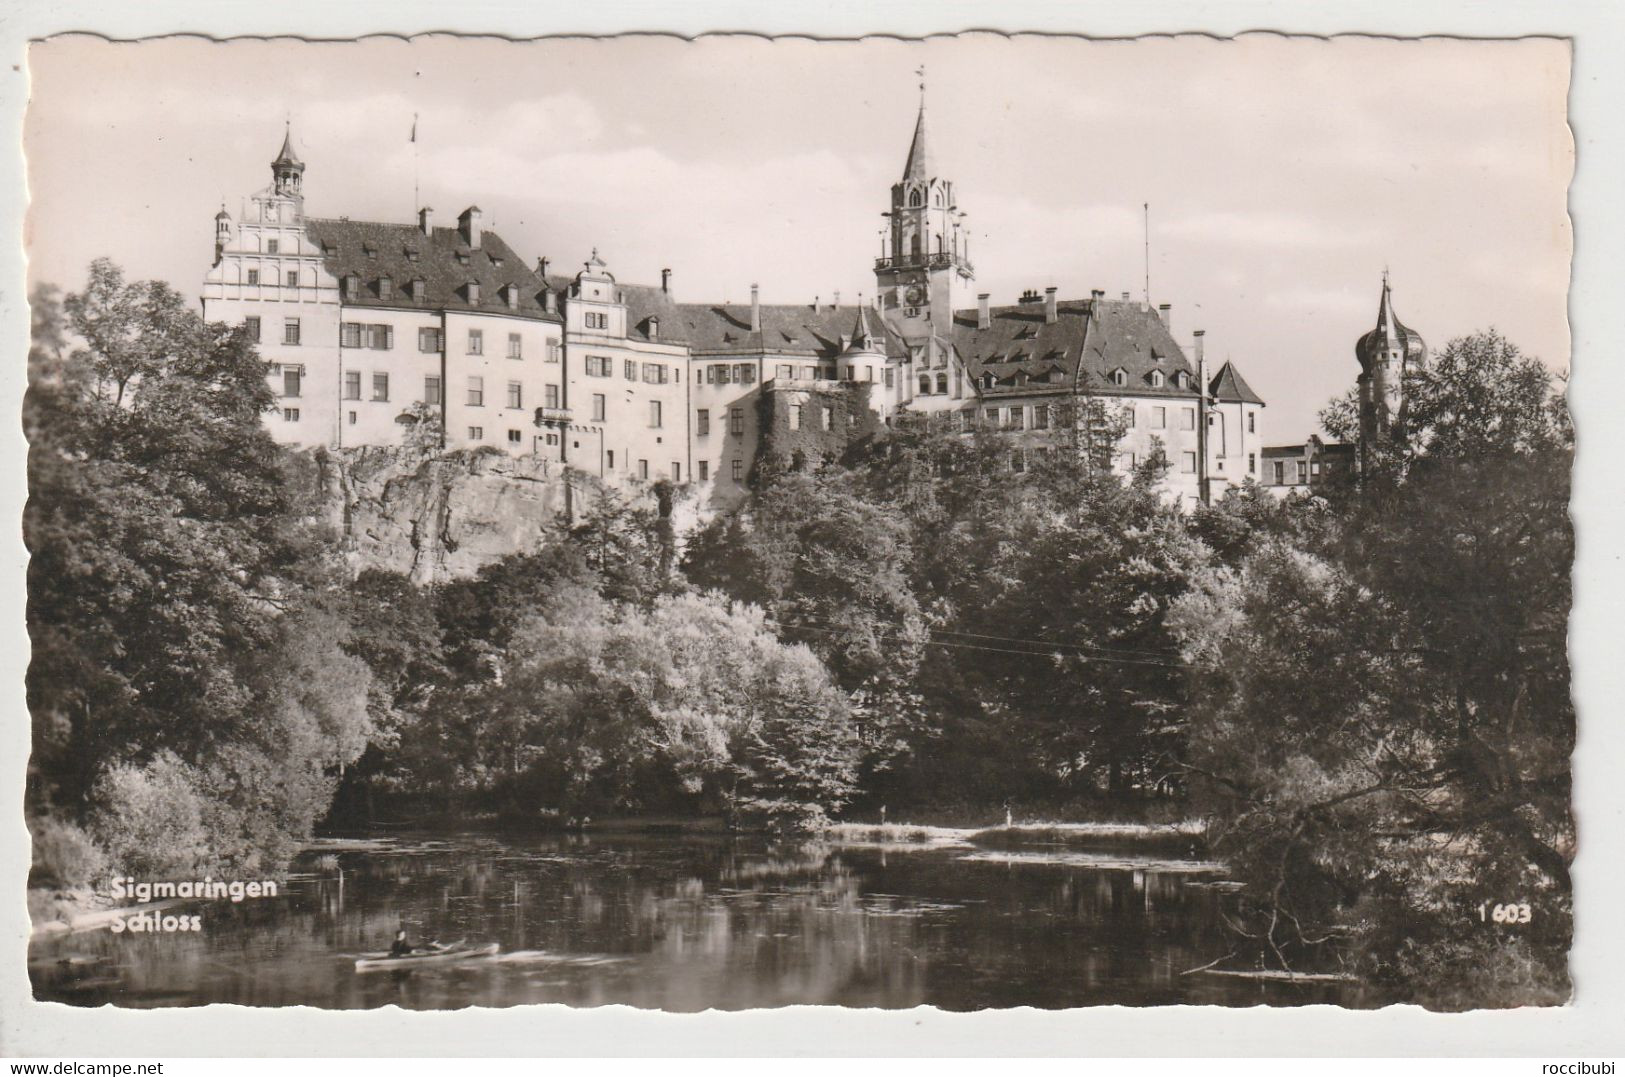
(372, 251)
(1229, 387)
(1079, 350)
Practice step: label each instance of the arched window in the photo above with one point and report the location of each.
(939, 242)
(938, 196)
(942, 383)
(914, 198)
(925, 384)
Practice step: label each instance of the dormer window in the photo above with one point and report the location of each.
(1119, 376)
(495, 261)
(654, 328)
(1157, 379)
(352, 288)
(411, 254)
(472, 291)
(371, 252)
(386, 288)
(510, 296)
(418, 289)
(462, 258)
(1182, 380)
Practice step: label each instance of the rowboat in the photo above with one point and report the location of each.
(457, 951)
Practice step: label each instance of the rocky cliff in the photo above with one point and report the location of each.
(440, 517)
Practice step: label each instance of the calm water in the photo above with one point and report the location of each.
(690, 923)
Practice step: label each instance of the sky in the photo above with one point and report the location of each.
(1283, 175)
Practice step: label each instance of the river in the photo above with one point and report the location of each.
(688, 923)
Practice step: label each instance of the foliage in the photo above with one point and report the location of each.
(64, 855)
(151, 817)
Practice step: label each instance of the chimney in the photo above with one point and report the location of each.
(469, 225)
(426, 220)
(1201, 359)
(1050, 313)
(665, 281)
(984, 320)
(1125, 297)
(541, 269)
(1097, 293)
(1165, 311)
(755, 310)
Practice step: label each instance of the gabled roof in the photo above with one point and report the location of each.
(372, 250)
(1229, 387)
(1087, 341)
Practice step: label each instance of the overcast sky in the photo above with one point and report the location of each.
(1283, 175)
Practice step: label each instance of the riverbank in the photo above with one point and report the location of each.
(1186, 832)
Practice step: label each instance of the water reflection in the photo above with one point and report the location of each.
(689, 924)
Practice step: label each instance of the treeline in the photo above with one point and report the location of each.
(1366, 692)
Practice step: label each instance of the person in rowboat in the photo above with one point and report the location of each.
(402, 948)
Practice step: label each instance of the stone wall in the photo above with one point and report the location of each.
(852, 420)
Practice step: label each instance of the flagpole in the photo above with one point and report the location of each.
(415, 199)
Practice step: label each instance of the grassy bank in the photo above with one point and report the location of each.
(1181, 833)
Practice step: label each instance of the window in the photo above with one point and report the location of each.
(829, 418)
(380, 387)
(643, 469)
(925, 384)
(253, 276)
(1187, 463)
(290, 415)
(809, 372)
(597, 320)
(1252, 423)
(654, 373)
(428, 340)
(1280, 472)
(736, 420)
(598, 366)
(610, 459)
(476, 342)
(705, 471)
(654, 414)
(1159, 418)
(290, 330)
(515, 346)
(629, 369)
(515, 437)
(381, 337)
(386, 288)
(1018, 418)
(745, 374)
(1128, 417)
(992, 416)
(738, 470)
(352, 418)
(273, 246)
(350, 335)
(293, 278)
(1303, 471)
(516, 395)
(554, 351)
(1040, 416)
(676, 471)
(476, 433)
(251, 329)
(1187, 419)
(795, 416)
(942, 383)
(291, 376)
(476, 391)
(1119, 377)
(1314, 468)
(431, 391)
(786, 372)
(1018, 463)
(352, 385)
(471, 289)
(1252, 463)
(550, 396)
(598, 408)
(702, 422)
(890, 378)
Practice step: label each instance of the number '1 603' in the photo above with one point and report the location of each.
(1505, 914)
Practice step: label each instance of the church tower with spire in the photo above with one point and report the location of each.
(924, 272)
(1386, 353)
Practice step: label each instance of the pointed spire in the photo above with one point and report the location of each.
(920, 166)
(861, 337)
(287, 156)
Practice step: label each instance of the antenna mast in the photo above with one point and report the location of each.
(1147, 207)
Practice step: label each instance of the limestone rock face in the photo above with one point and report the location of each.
(439, 517)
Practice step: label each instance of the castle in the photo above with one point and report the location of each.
(379, 332)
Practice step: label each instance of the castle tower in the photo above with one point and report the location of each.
(1386, 353)
(222, 233)
(287, 170)
(925, 273)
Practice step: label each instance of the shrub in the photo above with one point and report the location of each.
(64, 855)
(150, 819)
